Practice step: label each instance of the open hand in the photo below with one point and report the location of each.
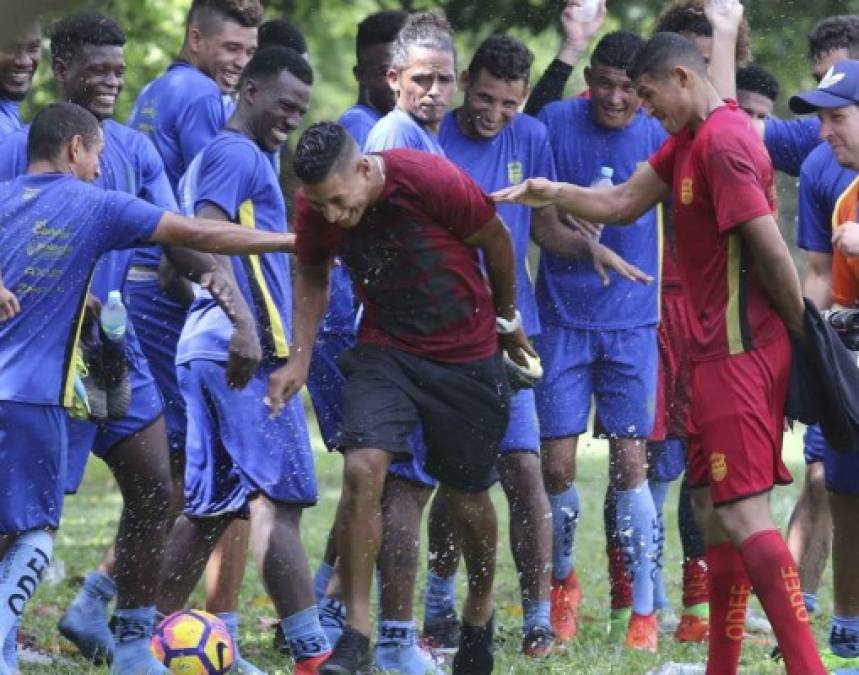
(283, 384)
(245, 355)
(9, 305)
(606, 260)
(577, 34)
(724, 15)
(846, 238)
(534, 192)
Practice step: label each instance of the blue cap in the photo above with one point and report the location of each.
(838, 88)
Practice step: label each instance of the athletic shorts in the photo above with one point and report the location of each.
(674, 372)
(666, 460)
(235, 451)
(33, 454)
(158, 321)
(814, 445)
(842, 470)
(147, 406)
(615, 367)
(737, 423)
(463, 410)
(325, 383)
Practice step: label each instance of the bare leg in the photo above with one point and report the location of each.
(226, 568)
(443, 548)
(809, 533)
(845, 554)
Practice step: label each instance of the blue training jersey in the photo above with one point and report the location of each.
(568, 292)
(358, 121)
(520, 151)
(822, 183)
(10, 116)
(789, 142)
(55, 228)
(398, 129)
(235, 175)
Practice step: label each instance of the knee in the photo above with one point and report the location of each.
(364, 477)
(522, 480)
(559, 467)
(815, 479)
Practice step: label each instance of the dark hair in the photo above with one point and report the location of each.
(380, 28)
(756, 79)
(85, 28)
(835, 32)
(272, 61)
(55, 125)
(664, 51)
(688, 16)
(428, 30)
(617, 50)
(279, 33)
(503, 57)
(205, 13)
(319, 150)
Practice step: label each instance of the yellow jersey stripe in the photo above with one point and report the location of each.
(733, 310)
(68, 392)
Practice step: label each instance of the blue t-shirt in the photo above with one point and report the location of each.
(569, 293)
(822, 181)
(358, 121)
(789, 142)
(10, 116)
(55, 228)
(397, 130)
(519, 152)
(128, 164)
(235, 175)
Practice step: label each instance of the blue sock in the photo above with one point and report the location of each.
(810, 600)
(440, 597)
(132, 634)
(844, 636)
(332, 618)
(10, 647)
(21, 569)
(397, 649)
(535, 613)
(320, 581)
(304, 634)
(637, 527)
(231, 621)
(565, 515)
(659, 490)
(86, 621)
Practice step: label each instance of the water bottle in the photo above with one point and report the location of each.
(603, 180)
(114, 317)
(587, 11)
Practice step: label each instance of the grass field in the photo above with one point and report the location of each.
(90, 523)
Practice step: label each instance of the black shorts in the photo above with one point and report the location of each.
(463, 410)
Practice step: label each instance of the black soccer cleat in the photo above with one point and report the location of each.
(538, 642)
(350, 655)
(442, 635)
(475, 650)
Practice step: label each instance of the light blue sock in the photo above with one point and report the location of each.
(304, 634)
(231, 621)
(810, 600)
(332, 618)
(21, 570)
(440, 597)
(844, 636)
(132, 633)
(320, 581)
(86, 621)
(397, 649)
(10, 647)
(565, 516)
(637, 527)
(535, 613)
(659, 490)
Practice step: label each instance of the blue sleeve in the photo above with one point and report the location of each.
(226, 170)
(13, 155)
(814, 228)
(128, 221)
(357, 126)
(789, 142)
(199, 124)
(155, 187)
(393, 138)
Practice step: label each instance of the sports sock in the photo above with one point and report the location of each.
(773, 574)
(696, 590)
(565, 516)
(810, 600)
(636, 527)
(659, 490)
(729, 595)
(332, 618)
(21, 569)
(320, 580)
(619, 587)
(440, 597)
(397, 649)
(535, 613)
(10, 647)
(231, 621)
(304, 634)
(86, 621)
(844, 636)
(132, 634)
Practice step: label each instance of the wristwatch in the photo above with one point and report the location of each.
(506, 326)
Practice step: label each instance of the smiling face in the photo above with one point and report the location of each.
(344, 196)
(93, 78)
(277, 106)
(667, 100)
(18, 63)
(224, 52)
(840, 128)
(426, 86)
(613, 96)
(490, 103)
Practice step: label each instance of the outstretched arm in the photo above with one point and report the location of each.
(214, 236)
(725, 18)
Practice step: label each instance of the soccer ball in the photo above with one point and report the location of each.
(192, 642)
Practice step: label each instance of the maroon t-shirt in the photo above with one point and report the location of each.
(423, 288)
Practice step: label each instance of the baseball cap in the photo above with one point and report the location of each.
(838, 88)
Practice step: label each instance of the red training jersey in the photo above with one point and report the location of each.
(845, 270)
(722, 177)
(423, 288)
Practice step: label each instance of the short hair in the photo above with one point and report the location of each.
(205, 13)
(664, 51)
(503, 57)
(757, 79)
(380, 28)
(320, 149)
(271, 61)
(617, 50)
(427, 30)
(279, 33)
(71, 33)
(55, 125)
(688, 16)
(835, 32)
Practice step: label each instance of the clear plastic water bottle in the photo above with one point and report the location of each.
(587, 11)
(603, 180)
(114, 317)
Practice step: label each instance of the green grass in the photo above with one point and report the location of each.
(90, 523)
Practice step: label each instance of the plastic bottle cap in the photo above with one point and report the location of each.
(114, 297)
(607, 171)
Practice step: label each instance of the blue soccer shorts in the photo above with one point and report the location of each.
(325, 383)
(841, 470)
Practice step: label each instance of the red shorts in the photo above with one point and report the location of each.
(737, 423)
(673, 395)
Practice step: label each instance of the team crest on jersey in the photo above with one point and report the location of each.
(30, 193)
(718, 467)
(515, 172)
(687, 191)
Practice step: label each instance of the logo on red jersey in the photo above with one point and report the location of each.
(687, 191)
(718, 467)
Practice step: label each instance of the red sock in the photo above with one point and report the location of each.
(619, 586)
(729, 592)
(695, 591)
(773, 572)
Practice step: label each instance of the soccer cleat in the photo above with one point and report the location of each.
(672, 668)
(618, 623)
(443, 635)
(565, 597)
(310, 666)
(668, 621)
(351, 654)
(406, 659)
(86, 626)
(538, 642)
(692, 629)
(474, 656)
(642, 634)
